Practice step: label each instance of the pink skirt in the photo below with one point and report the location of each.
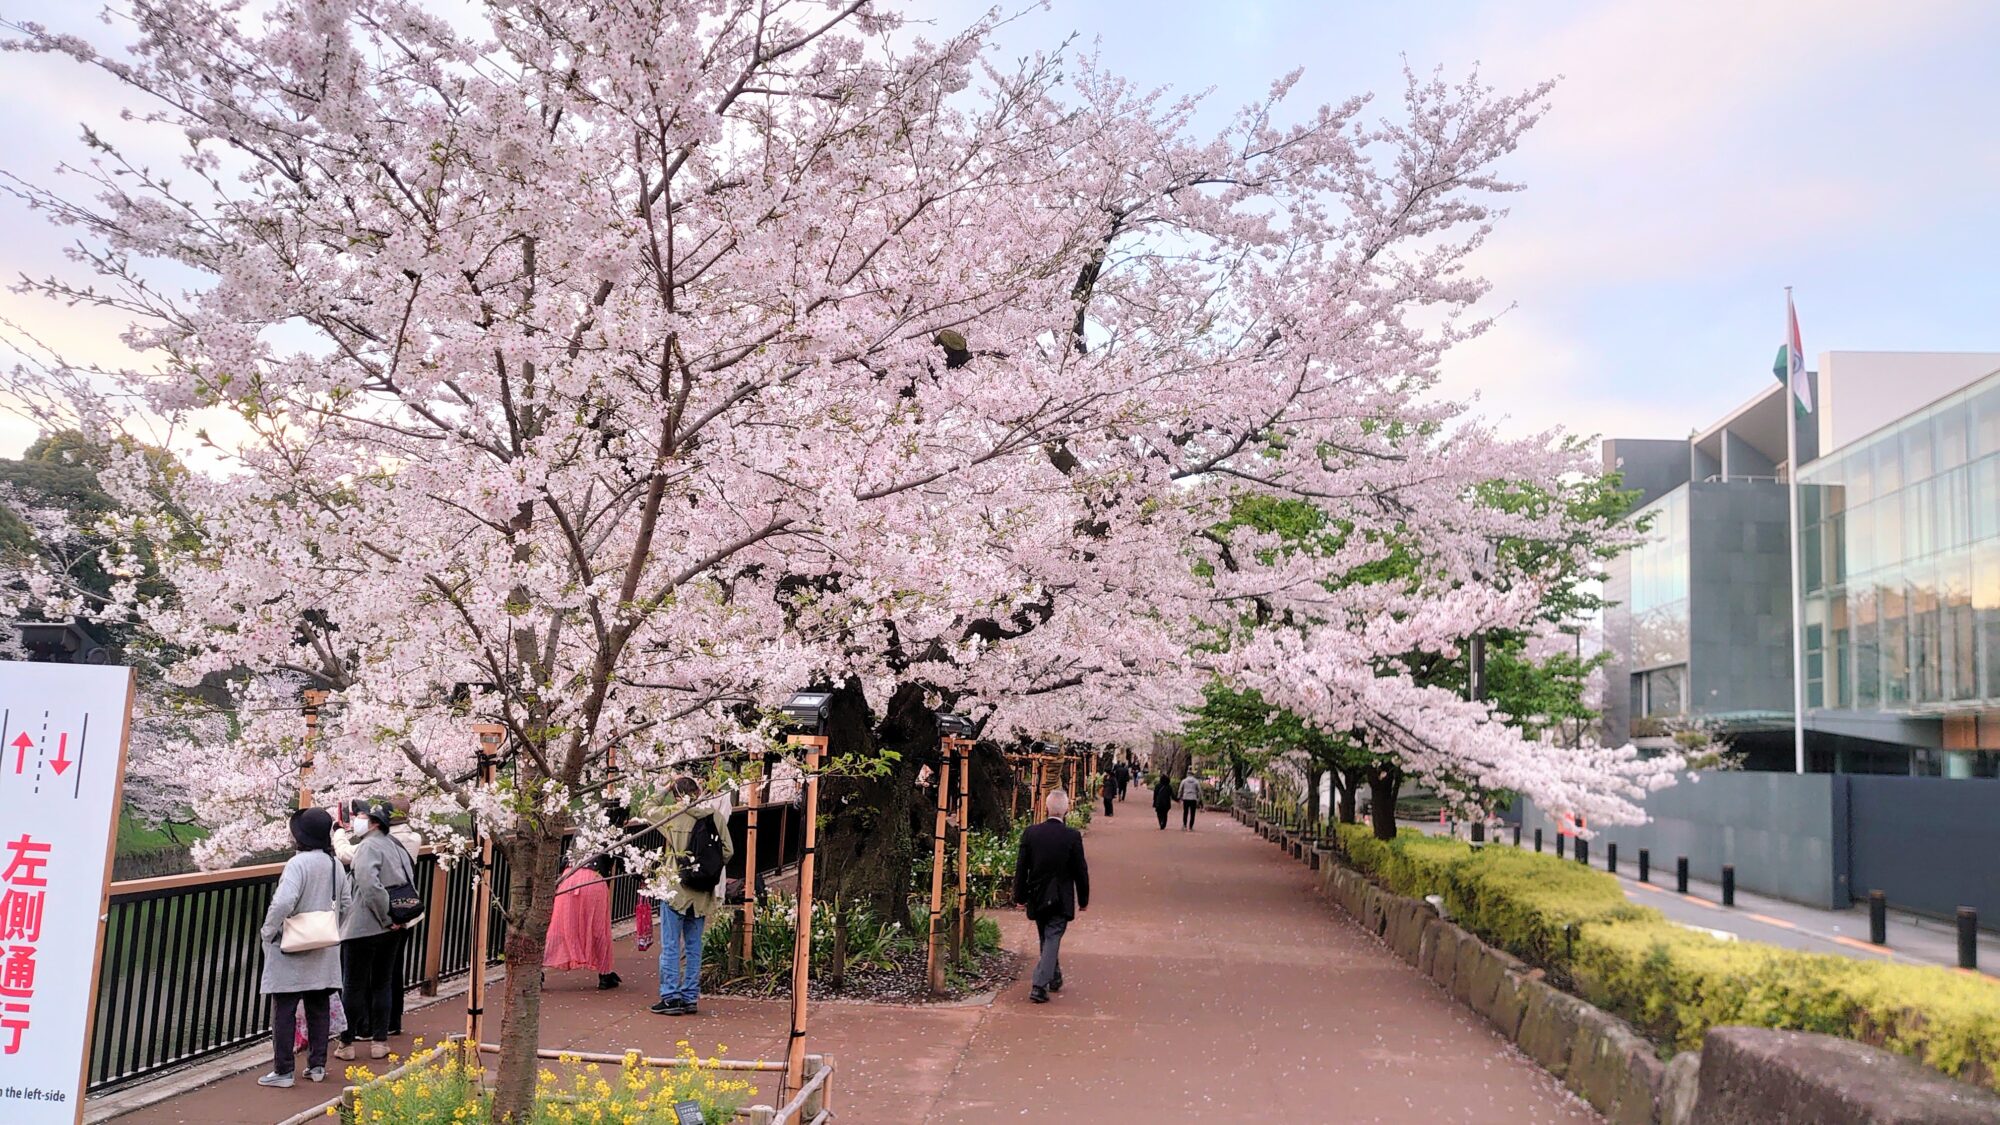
(580, 928)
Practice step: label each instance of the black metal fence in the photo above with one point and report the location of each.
(182, 961)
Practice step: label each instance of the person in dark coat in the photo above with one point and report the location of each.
(1123, 773)
(1163, 799)
(1110, 787)
(1052, 882)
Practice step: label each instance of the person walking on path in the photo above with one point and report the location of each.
(1163, 799)
(1110, 787)
(698, 853)
(369, 937)
(313, 882)
(1123, 773)
(1190, 801)
(1052, 883)
(580, 927)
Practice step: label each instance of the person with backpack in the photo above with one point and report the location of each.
(301, 937)
(385, 901)
(1163, 799)
(698, 853)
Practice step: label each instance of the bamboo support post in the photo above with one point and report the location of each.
(961, 928)
(434, 932)
(934, 963)
(490, 735)
(795, 1050)
(756, 798)
(315, 699)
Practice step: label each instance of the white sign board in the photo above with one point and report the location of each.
(62, 757)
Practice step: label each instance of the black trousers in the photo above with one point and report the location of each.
(368, 975)
(1107, 802)
(285, 1028)
(1162, 810)
(396, 991)
(1187, 813)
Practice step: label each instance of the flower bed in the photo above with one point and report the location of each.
(1674, 983)
(884, 960)
(436, 1086)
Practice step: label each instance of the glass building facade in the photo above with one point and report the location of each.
(1899, 548)
(1660, 609)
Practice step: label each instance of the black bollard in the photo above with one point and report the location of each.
(1728, 884)
(1878, 917)
(1517, 835)
(1611, 858)
(1583, 851)
(1478, 831)
(1538, 839)
(1681, 874)
(1645, 866)
(1968, 938)
(1560, 845)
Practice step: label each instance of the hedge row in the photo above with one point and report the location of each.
(1674, 983)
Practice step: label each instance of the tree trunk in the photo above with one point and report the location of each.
(867, 847)
(1382, 787)
(1312, 800)
(534, 869)
(992, 789)
(1343, 790)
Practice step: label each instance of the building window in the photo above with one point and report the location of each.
(1663, 692)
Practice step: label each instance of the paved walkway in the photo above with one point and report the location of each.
(1206, 982)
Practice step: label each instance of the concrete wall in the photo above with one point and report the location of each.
(1928, 843)
(1740, 619)
(1652, 467)
(1784, 833)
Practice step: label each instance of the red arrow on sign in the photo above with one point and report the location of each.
(61, 760)
(21, 745)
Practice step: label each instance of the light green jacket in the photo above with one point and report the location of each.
(675, 823)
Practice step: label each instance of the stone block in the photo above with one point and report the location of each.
(1548, 1027)
(1679, 1087)
(1601, 1059)
(1475, 973)
(1639, 1095)
(1758, 1076)
(1509, 1003)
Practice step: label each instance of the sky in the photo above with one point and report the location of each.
(1699, 156)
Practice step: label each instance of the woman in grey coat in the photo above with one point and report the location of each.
(313, 880)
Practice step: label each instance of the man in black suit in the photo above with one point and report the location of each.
(1052, 882)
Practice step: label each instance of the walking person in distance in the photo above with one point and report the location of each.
(1163, 799)
(1052, 883)
(1110, 787)
(1190, 801)
(301, 936)
(370, 935)
(1123, 774)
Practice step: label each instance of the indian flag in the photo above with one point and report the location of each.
(1791, 365)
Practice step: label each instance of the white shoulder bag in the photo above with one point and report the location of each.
(308, 930)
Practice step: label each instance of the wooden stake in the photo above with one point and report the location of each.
(315, 699)
(935, 963)
(490, 735)
(961, 930)
(756, 798)
(795, 1052)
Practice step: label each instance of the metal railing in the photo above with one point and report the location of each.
(183, 961)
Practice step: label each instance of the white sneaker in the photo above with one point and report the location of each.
(316, 1074)
(281, 1081)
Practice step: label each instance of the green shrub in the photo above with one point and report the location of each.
(1674, 983)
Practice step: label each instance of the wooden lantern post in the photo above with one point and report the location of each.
(490, 736)
(795, 1051)
(961, 930)
(315, 699)
(934, 964)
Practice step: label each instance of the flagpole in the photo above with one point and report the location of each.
(1796, 369)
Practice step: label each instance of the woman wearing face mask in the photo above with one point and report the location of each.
(313, 882)
(369, 938)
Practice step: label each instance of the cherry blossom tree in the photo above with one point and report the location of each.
(611, 373)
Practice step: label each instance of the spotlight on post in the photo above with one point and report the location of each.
(954, 726)
(805, 711)
(61, 642)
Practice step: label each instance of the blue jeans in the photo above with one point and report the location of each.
(680, 933)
